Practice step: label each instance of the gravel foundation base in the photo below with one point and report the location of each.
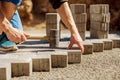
(98, 66)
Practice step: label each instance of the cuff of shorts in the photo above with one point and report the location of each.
(57, 3)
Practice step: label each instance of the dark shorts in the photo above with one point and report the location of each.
(57, 3)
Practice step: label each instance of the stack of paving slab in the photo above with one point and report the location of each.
(99, 21)
(52, 22)
(80, 17)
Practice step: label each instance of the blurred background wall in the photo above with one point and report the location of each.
(34, 10)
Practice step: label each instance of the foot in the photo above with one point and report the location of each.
(8, 46)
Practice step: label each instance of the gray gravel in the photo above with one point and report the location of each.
(98, 66)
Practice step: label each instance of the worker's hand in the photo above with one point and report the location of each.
(76, 39)
(16, 36)
(13, 34)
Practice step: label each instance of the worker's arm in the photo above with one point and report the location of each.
(64, 11)
(67, 18)
(13, 34)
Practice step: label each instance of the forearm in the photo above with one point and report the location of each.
(4, 23)
(67, 18)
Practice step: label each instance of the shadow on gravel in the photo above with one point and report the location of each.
(65, 39)
(32, 47)
(115, 32)
(35, 42)
(1, 52)
(43, 51)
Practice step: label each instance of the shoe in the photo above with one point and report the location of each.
(8, 46)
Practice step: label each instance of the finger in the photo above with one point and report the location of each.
(70, 45)
(81, 47)
(23, 38)
(27, 35)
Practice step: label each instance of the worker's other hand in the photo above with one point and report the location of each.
(16, 36)
(76, 39)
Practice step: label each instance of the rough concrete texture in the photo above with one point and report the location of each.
(99, 66)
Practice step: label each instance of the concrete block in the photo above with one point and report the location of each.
(54, 38)
(78, 8)
(92, 33)
(82, 34)
(99, 8)
(51, 26)
(80, 18)
(81, 27)
(5, 71)
(108, 44)
(98, 34)
(88, 47)
(100, 17)
(19, 66)
(74, 56)
(52, 18)
(59, 59)
(41, 62)
(116, 42)
(100, 26)
(98, 46)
